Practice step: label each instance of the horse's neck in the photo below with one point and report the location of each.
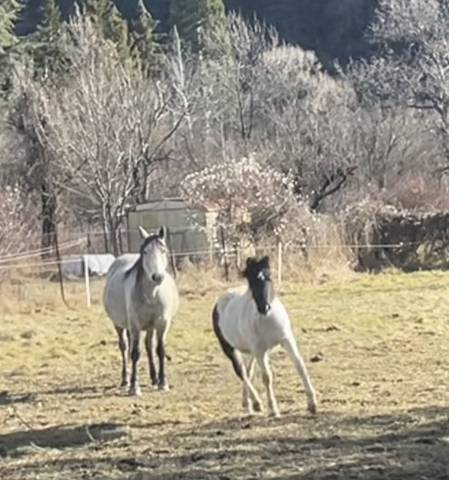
(249, 305)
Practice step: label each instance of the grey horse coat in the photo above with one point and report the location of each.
(141, 295)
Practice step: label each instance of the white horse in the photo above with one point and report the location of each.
(254, 322)
(141, 295)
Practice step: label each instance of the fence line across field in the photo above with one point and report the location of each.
(280, 249)
(39, 252)
(232, 251)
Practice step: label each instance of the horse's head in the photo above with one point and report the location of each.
(258, 274)
(154, 255)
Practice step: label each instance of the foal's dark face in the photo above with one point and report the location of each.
(258, 274)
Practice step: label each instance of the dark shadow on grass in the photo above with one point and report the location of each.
(7, 398)
(412, 445)
(89, 391)
(60, 437)
(408, 445)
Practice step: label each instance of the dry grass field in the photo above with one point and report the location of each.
(380, 345)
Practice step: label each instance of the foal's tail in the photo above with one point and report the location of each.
(227, 348)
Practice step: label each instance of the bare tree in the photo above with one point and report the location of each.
(106, 128)
(17, 224)
(413, 71)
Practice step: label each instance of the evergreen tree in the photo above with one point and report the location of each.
(198, 21)
(111, 24)
(46, 44)
(9, 13)
(144, 46)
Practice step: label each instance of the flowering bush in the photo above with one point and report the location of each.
(252, 199)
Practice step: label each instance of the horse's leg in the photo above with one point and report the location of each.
(292, 349)
(247, 402)
(237, 362)
(149, 347)
(267, 378)
(160, 350)
(134, 387)
(123, 346)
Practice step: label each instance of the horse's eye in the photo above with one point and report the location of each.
(162, 245)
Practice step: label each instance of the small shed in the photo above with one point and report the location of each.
(191, 230)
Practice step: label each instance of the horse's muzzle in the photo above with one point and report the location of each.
(157, 279)
(264, 309)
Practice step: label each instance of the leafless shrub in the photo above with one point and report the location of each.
(17, 226)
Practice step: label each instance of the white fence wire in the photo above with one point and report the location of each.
(18, 260)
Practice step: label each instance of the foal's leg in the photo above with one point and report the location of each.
(247, 402)
(267, 378)
(123, 346)
(149, 348)
(292, 349)
(134, 387)
(160, 350)
(236, 359)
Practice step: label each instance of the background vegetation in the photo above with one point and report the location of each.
(107, 105)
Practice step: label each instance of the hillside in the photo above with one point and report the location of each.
(333, 28)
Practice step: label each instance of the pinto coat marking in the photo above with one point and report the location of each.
(254, 322)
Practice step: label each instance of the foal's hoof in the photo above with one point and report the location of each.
(135, 392)
(275, 414)
(312, 408)
(257, 406)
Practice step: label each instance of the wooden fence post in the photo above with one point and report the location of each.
(279, 263)
(87, 280)
(225, 257)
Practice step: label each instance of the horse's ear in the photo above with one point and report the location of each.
(163, 232)
(143, 233)
(250, 262)
(265, 262)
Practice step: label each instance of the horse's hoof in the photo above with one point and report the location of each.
(135, 392)
(275, 414)
(257, 406)
(163, 387)
(312, 408)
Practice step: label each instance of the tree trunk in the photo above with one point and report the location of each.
(113, 228)
(48, 203)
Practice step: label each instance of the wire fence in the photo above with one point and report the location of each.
(79, 268)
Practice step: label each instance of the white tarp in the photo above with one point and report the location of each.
(98, 265)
